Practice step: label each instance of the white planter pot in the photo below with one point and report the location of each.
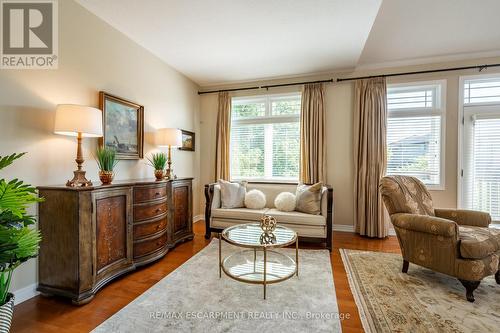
(6, 312)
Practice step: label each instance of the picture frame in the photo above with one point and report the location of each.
(123, 126)
(188, 140)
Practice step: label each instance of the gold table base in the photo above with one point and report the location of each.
(265, 272)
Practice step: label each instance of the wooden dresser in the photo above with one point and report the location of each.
(92, 235)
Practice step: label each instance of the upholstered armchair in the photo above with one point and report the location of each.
(454, 242)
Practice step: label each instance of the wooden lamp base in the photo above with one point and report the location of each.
(79, 179)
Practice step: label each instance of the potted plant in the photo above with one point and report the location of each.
(158, 161)
(18, 241)
(106, 160)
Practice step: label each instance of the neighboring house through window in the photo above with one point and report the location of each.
(415, 131)
(265, 137)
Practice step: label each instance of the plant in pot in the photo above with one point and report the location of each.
(18, 239)
(106, 160)
(158, 161)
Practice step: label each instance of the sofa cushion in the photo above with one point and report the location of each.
(296, 217)
(285, 202)
(271, 191)
(255, 199)
(477, 242)
(232, 194)
(308, 198)
(239, 213)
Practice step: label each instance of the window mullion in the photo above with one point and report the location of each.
(268, 151)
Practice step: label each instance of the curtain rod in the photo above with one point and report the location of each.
(265, 87)
(479, 67)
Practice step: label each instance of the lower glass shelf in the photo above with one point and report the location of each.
(248, 266)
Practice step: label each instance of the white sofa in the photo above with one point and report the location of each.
(308, 227)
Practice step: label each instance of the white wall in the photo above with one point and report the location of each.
(339, 99)
(92, 57)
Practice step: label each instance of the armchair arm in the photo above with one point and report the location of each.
(426, 224)
(465, 217)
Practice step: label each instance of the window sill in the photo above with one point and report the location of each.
(267, 181)
(435, 187)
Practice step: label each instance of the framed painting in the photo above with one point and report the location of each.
(188, 142)
(123, 126)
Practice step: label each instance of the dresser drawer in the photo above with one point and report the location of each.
(144, 212)
(143, 248)
(144, 194)
(146, 229)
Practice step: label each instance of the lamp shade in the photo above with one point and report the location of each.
(73, 119)
(169, 137)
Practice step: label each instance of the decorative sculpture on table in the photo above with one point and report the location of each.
(268, 224)
(268, 238)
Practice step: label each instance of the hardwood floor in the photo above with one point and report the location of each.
(41, 314)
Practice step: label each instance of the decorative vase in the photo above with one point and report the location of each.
(268, 224)
(159, 174)
(106, 177)
(6, 312)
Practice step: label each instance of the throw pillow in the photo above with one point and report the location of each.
(255, 199)
(285, 201)
(308, 198)
(232, 194)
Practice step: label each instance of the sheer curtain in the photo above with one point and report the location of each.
(223, 137)
(370, 156)
(312, 134)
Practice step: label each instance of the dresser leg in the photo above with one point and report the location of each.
(82, 301)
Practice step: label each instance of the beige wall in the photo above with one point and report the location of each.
(339, 105)
(93, 57)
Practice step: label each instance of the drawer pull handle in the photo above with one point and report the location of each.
(157, 193)
(158, 226)
(158, 210)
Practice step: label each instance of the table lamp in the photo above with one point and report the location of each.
(80, 121)
(169, 137)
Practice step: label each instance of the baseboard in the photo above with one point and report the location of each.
(197, 218)
(343, 227)
(25, 293)
(350, 228)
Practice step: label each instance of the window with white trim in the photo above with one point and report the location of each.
(415, 128)
(265, 137)
(481, 145)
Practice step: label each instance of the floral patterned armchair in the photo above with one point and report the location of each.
(454, 242)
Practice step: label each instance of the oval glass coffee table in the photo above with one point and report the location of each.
(259, 263)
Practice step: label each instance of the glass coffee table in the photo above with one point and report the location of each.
(259, 263)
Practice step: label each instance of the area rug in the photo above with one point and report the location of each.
(420, 301)
(194, 299)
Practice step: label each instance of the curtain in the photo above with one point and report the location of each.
(312, 134)
(370, 156)
(223, 137)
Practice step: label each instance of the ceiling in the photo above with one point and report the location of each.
(222, 41)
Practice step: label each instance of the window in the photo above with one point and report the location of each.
(481, 146)
(415, 130)
(482, 91)
(265, 137)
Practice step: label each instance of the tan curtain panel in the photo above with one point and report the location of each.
(312, 134)
(223, 137)
(370, 156)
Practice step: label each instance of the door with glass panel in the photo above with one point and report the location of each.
(481, 146)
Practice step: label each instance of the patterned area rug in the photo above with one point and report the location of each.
(420, 301)
(194, 299)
